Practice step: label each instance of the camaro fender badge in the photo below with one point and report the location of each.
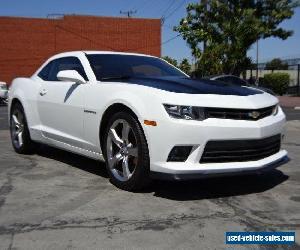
(254, 114)
(90, 111)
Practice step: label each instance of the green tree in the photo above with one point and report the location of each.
(276, 63)
(185, 66)
(278, 82)
(170, 60)
(229, 29)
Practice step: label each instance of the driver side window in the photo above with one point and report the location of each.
(44, 73)
(50, 71)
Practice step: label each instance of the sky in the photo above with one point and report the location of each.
(173, 10)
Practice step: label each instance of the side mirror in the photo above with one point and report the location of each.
(70, 76)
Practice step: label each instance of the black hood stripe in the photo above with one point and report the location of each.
(192, 86)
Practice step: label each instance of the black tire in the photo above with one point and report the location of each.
(27, 146)
(141, 175)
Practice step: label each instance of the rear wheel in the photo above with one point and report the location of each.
(126, 152)
(19, 132)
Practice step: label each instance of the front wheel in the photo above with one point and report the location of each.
(126, 152)
(19, 132)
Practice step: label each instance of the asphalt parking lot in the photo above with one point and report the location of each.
(58, 200)
(292, 114)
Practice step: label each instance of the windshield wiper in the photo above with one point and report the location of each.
(115, 78)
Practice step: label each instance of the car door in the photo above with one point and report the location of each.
(61, 103)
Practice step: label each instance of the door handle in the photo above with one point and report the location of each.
(43, 92)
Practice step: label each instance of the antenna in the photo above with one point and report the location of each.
(128, 13)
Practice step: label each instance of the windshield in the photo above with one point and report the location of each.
(106, 66)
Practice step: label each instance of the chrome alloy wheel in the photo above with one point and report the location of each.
(121, 150)
(17, 128)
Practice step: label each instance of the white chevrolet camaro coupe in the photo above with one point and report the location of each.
(145, 118)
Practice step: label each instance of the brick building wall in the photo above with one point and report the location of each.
(25, 43)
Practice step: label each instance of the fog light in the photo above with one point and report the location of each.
(180, 153)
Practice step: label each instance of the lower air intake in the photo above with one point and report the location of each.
(240, 150)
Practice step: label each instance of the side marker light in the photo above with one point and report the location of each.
(150, 123)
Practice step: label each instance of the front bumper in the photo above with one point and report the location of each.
(171, 132)
(229, 171)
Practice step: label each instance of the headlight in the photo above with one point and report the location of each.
(275, 109)
(185, 112)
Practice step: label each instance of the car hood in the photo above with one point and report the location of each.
(192, 86)
(265, 89)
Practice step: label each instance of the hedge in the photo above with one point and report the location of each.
(278, 82)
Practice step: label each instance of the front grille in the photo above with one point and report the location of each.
(240, 150)
(239, 114)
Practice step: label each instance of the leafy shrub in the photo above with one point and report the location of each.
(278, 82)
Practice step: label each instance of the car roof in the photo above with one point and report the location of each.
(89, 52)
(97, 52)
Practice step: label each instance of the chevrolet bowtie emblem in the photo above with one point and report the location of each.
(254, 114)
